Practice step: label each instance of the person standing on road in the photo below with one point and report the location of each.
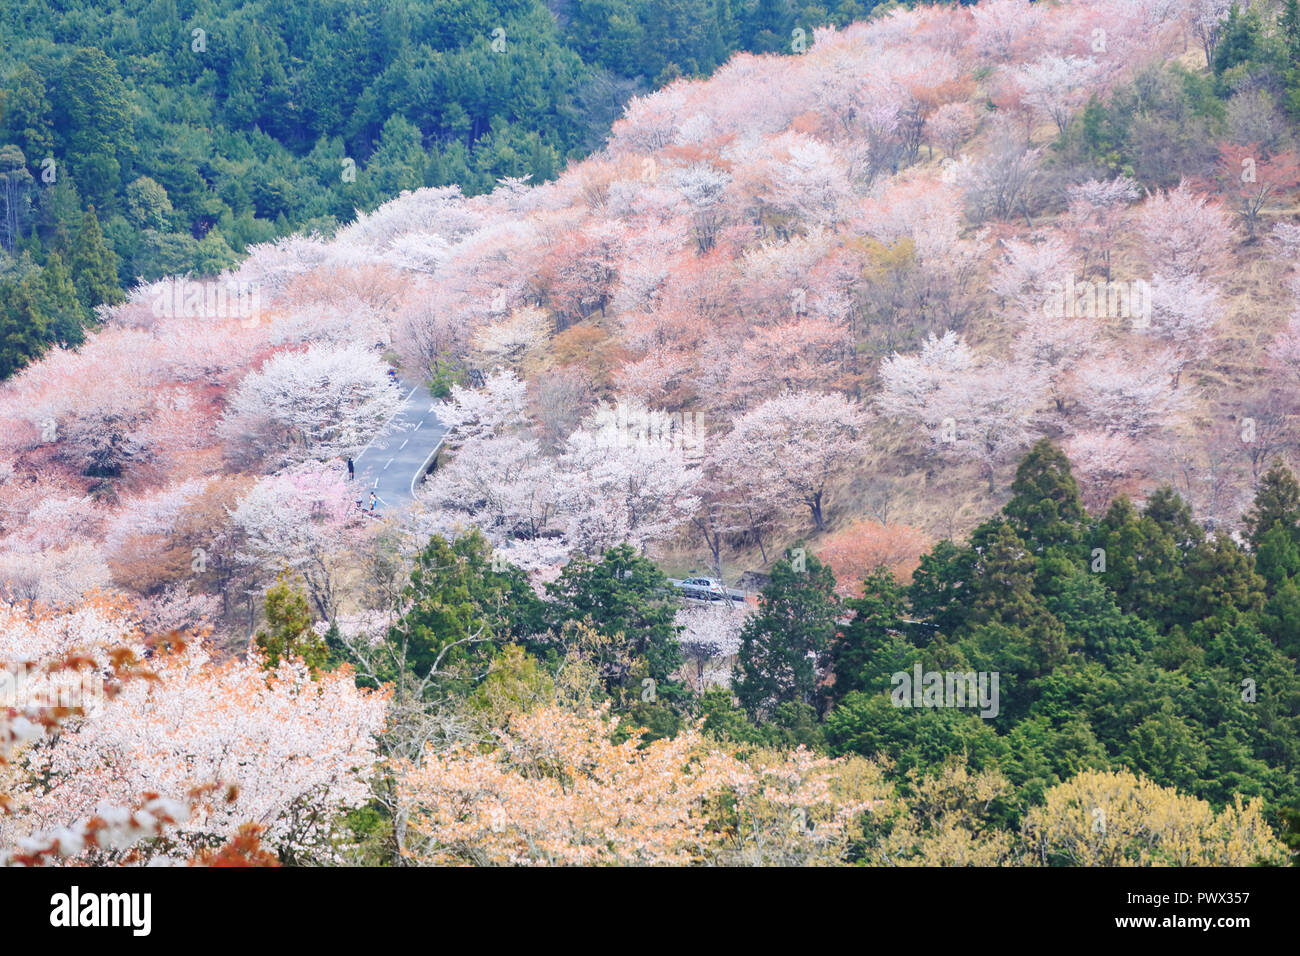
(373, 501)
(351, 470)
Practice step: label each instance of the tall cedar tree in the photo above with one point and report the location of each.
(941, 586)
(61, 304)
(1273, 527)
(1005, 592)
(1277, 500)
(784, 646)
(460, 610)
(1219, 586)
(1045, 509)
(1141, 565)
(624, 594)
(869, 645)
(94, 265)
(23, 324)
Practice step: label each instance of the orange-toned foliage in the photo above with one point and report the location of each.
(590, 346)
(243, 849)
(555, 790)
(857, 549)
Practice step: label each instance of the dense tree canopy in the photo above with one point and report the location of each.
(193, 131)
(904, 308)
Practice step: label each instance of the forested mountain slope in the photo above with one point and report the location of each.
(188, 131)
(999, 297)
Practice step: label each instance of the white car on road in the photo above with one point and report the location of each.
(703, 589)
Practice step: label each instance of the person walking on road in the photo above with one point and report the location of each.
(373, 501)
(351, 470)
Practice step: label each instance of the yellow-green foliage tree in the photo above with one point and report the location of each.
(794, 808)
(943, 821)
(288, 630)
(1117, 819)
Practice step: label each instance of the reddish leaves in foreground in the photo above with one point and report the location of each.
(244, 849)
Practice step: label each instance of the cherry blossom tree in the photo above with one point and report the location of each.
(97, 428)
(502, 484)
(659, 378)
(1027, 270)
(207, 351)
(703, 186)
(109, 829)
(709, 635)
(1183, 312)
(951, 125)
(802, 354)
(980, 412)
(303, 518)
(58, 671)
(810, 184)
(1127, 393)
(1003, 27)
(789, 449)
(144, 541)
(324, 402)
(1052, 345)
(584, 269)
(1207, 467)
(178, 608)
(621, 487)
(474, 413)
(273, 265)
(1001, 184)
(295, 748)
(1101, 461)
(511, 342)
(54, 577)
(1264, 425)
(1184, 232)
(1285, 239)
(1097, 216)
(426, 331)
(857, 549)
(1056, 86)
(54, 520)
(1285, 353)
(53, 556)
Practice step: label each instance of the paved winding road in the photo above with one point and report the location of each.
(393, 464)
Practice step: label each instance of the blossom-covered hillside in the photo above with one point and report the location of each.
(823, 302)
(867, 249)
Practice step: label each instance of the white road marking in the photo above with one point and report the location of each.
(385, 468)
(403, 445)
(406, 400)
(420, 473)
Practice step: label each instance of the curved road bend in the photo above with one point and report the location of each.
(395, 461)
